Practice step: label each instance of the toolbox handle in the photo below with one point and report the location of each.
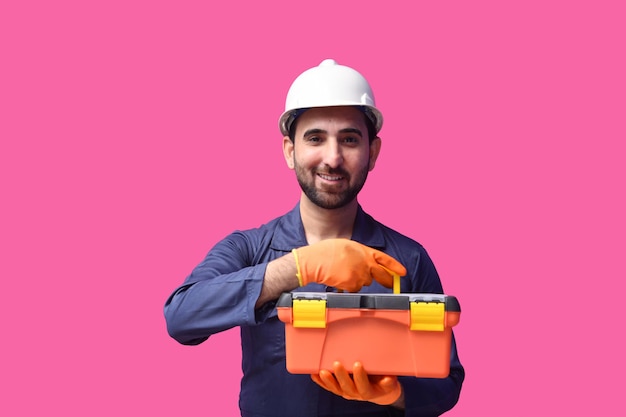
(396, 280)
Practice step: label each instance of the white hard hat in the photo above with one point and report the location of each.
(327, 85)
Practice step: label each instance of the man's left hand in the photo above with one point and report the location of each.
(379, 389)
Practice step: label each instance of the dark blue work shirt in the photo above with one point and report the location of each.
(221, 293)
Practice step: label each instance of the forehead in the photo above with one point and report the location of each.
(327, 117)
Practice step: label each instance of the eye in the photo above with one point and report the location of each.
(313, 139)
(350, 140)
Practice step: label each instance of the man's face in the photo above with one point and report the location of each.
(331, 154)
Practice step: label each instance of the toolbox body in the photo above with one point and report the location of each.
(390, 334)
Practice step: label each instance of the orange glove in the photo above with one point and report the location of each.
(379, 389)
(345, 264)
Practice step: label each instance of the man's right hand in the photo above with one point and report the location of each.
(345, 264)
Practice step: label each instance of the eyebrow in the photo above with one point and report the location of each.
(352, 130)
(313, 132)
(346, 130)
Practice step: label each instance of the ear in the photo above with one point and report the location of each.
(288, 152)
(374, 151)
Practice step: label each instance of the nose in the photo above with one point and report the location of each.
(333, 156)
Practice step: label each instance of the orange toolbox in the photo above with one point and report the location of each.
(390, 334)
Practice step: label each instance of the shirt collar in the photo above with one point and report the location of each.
(289, 233)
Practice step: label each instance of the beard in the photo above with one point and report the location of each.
(329, 199)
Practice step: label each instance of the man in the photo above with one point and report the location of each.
(326, 243)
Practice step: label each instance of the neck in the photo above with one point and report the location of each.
(320, 223)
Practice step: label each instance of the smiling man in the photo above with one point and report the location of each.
(334, 155)
(325, 243)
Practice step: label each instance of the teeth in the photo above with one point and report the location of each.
(328, 177)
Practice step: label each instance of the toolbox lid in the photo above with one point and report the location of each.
(371, 301)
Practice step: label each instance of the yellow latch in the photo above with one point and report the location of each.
(309, 313)
(427, 316)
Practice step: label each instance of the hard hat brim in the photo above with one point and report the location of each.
(287, 118)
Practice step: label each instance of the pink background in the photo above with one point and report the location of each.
(136, 134)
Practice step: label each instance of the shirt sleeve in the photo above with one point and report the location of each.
(220, 293)
(432, 396)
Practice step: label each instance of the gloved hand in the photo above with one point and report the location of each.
(345, 264)
(379, 389)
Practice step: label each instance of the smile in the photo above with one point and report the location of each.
(330, 177)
